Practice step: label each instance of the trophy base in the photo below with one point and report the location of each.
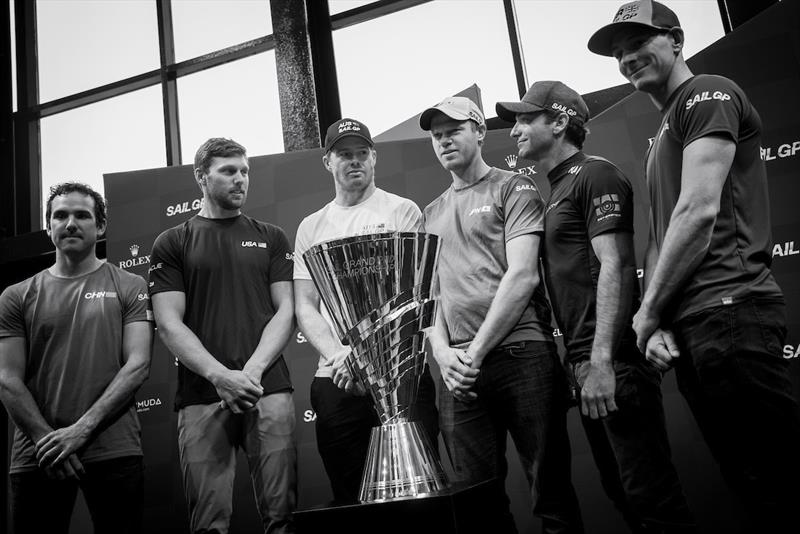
(400, 465)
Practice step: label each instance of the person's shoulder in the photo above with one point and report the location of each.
(598, 164)
(704, 87)
(501, 176)
(22, 287)
(315, 216)
(438, 202)
(265, 226)
(392, 198)
(175, 233)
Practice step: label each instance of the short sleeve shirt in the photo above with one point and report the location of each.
(737, 263)
(225, 268)
(474, 224)
(381, 212)
(73, 329)
(589, 196)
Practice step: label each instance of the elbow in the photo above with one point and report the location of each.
(701, 214)
(140, 372)
(525, 280)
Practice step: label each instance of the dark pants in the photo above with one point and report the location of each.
(113, 489)
(343, 427)
(631, 449)
(521, 391)
(732, 374)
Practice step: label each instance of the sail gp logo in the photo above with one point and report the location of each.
(706, 96)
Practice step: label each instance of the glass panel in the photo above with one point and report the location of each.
(203, 26)
(337, 6)
(84, 44)
(238, 100)
(393, 67)
(554, 34)
(124, 133)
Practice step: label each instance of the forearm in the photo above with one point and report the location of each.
(117, 394)
(512, 296)
(685, 245)
(189, 350)
(23, 409)
(612, 309)
(273, 340)
(317, 331)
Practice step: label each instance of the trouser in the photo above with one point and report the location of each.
(113, 489)
(631, 449)
(521, 391)
(208, 438)
(735, 380)
(344, 424)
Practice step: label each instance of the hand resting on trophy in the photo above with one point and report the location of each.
(342, 377)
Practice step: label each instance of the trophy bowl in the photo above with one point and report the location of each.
(377, 289)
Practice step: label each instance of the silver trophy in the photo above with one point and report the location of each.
(377, 289)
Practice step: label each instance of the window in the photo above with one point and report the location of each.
(203, 26)
(84, 44)
(393, 67)
(119, 134)
(238, 100)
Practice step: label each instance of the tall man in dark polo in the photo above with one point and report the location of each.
(75, 343)
(590, 270)
(711, 307)
(492, 339)
(222, 297)
(345, 416)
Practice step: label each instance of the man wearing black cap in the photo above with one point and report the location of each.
(590, 271)
(345, 416)
(711, 306)
(492, 340)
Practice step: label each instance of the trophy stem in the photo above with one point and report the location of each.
(400, 464)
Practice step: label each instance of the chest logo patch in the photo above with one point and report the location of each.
(482, 209)
(89, 295)
(606, 206)
(254, 244)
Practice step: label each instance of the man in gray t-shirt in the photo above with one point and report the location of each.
(492, 340)
(75, 345)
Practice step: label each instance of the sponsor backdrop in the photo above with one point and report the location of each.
(286, 187)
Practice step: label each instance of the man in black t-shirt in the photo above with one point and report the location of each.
(221, 286)
(590, 272)
(711, 306)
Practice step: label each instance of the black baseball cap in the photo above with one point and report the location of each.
(346, 128)
(544, 95)
(642, 14)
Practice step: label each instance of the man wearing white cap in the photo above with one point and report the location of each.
(711, 306)
(492, 340)
(590, 271)
(345, 416)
